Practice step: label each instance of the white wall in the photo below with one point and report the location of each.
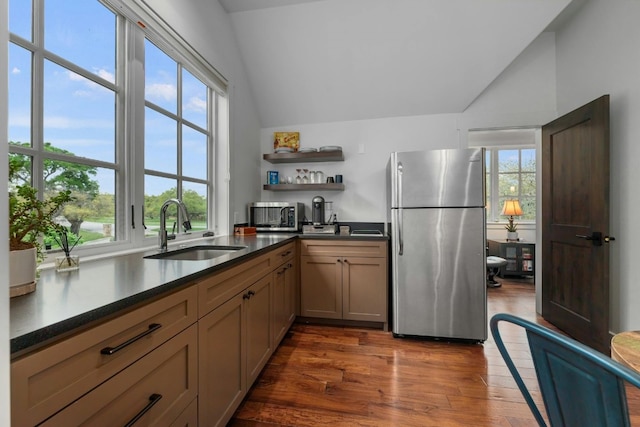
(206, 26)
(364, 198)
(597, 54)
(4, 232)
(502, 104)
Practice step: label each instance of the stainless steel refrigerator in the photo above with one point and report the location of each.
(437, 213)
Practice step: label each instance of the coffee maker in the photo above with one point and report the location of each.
(319, 226)
(317, 210)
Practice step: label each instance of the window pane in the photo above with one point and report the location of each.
(156, 191)
(508, 161)
(161, 78)
(19, 95)
(194, 153)
(79, 115)
(194, 100)
(160, 142)
(195, 198)
(20, 18)
(528, 184)
(528, 160)
(83, 32)
(21, 166)
(508, 184)
(86, 214)
(528, 207)
(101, 220)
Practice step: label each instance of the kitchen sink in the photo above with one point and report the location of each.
(197, 253)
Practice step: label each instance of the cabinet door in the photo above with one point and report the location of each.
(364, 289)
(278, 321)
(292, 289)
(257, 300)
(321, 287)
(222, 362)
(285, 292)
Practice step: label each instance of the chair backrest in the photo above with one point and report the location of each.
(579, 385)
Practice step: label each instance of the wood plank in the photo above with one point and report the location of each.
(328, 375)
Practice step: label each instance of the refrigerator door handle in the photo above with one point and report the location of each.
(400, 213)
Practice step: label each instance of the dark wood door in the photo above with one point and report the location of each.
(575, 223)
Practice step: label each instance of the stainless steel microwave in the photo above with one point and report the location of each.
(276, 216)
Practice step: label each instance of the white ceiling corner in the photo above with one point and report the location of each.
(312, 61)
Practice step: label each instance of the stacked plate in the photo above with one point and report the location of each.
(307, 150)
(284, 150)
(331, 148)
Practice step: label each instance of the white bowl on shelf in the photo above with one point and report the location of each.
(283, 150)
(331, 148)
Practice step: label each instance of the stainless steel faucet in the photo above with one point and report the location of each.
(163, 226)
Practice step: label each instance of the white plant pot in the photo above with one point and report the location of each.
(512, 236)
(22, 272)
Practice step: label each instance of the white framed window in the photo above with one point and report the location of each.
(510, 165)
(106, 101)
(177, 141)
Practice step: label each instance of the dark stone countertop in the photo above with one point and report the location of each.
(66, 301)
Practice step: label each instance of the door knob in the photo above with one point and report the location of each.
(596, 238)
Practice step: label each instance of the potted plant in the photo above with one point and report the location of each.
(512, 231)
(29, 219)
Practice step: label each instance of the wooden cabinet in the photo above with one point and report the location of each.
(344, 280)
(520, 257)
(44, 382)
(235, 344)
(285, 293)
(185, 359)
(236, 341)
(221, 286)
(364, 289)
(321, 286)
(155, 390)
(258, 328)
(222, 361)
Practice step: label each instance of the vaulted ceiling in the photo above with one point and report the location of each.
(315, 61)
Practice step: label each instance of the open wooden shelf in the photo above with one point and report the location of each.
(319, 156)
(305, 187)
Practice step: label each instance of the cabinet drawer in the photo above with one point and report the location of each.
(283, 254)
(157, 388)
(47, 380)
(189, 417)
(360, 248)
(222, 286)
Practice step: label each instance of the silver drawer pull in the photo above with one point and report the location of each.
(153, 399)
(111, 350)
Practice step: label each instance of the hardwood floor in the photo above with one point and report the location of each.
(338, 376)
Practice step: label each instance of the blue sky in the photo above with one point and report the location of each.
(79, 113)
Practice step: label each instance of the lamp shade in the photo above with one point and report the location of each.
(511, 207)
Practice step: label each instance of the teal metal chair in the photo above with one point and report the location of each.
(580, 386)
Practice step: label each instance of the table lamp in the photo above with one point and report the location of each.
(511, 208)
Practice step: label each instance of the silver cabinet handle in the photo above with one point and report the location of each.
(400, 213)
